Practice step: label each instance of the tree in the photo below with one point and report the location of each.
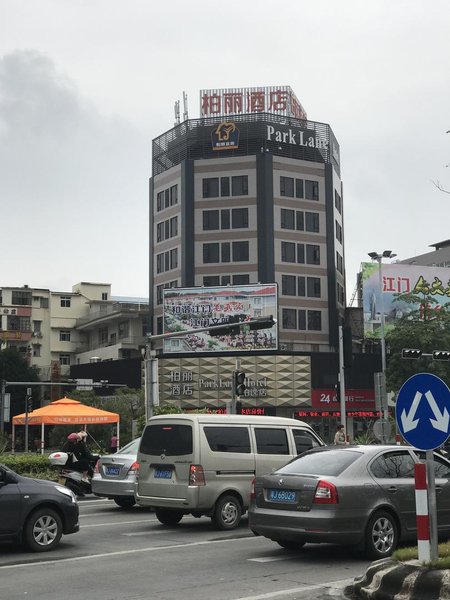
(426, 328)
(14, 367)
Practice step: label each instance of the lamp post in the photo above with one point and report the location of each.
(379, 258)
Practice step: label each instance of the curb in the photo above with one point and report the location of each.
(389, 579)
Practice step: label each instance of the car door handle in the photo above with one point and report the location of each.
(392, 488)
(438, 489)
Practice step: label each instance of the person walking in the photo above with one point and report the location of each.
(339, 437)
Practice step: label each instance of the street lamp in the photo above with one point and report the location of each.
(379, 258)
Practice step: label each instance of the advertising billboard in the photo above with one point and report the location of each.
(187, 309)
(431, 283)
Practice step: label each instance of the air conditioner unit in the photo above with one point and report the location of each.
(37, 334)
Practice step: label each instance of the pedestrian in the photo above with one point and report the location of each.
(114, 443)
(339, 437)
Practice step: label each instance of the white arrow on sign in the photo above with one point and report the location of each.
(408, 422)
(441, 420)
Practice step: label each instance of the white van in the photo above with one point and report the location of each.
(204, 464)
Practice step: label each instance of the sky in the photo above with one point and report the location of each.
(85, 85)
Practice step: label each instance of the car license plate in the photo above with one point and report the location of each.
(163, 473)
(112, 471)
(282, 495)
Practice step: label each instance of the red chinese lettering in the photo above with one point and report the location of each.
(389, 284)
(211, 104)
(278, 100)
(232, 102)
(256, 102)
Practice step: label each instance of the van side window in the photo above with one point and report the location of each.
(228, 439)
(304, 440)
(271, 441)
(171, 440)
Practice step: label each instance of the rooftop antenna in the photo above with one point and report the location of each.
(185, 106)
(176, 108)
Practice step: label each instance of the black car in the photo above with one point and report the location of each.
(35, 512)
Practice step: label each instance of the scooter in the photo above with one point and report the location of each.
(74, 480)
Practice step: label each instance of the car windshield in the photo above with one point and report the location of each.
(329, 462)
(131, 447)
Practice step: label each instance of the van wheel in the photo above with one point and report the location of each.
(227, 513)
(125, 501)
(168, 517)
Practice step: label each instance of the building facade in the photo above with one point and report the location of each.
(252, 198)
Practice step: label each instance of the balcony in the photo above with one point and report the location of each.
(110, 313)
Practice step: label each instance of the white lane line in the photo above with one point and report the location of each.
(118, 523)
(120, 553)
(306, 588)
(264, 559)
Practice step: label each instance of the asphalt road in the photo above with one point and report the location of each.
(128, 554)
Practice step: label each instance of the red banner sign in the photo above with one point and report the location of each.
(325, 399)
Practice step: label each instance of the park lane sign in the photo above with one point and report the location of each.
(423, 411)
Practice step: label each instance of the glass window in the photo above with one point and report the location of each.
(225, 280)
(302, 320)
(173, 226)
(159, 294)
(304, 440)
(64, 359)
(288, 285)
(393, 465)
(301, 285)
(64, 335)
(170, 440)
(289, 317)
(211, 280)
(312, 254)
(166, 198)
(441, 466)
(311, 190)
(211, 253)
(224, 186)
(300, 220)
(301, 253)
(228, 439)
(159, 201)
(287, 252)
(65, 301)
(225, 218)
(337, 202)
(174, 258)
(240, 251)
(299, 188)
(338, 232)
(124, 329)
(44, 303)
(287, 219)
(239, 218)
(312, 222)
(173, 195)
(271, 441)
(21, 298)
(211, 187)
(102, 335)
(239, 185)
(240, 279)
(210, 220)
(328, 462)
(287, 186)
(313, 287)
(314, 320)
(159, 325)
(225, 251)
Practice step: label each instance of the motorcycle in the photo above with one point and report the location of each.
(72, 479)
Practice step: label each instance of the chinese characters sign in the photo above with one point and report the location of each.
(397, 278)
(197, 308)
(279, 100)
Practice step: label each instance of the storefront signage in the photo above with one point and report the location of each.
(326, 399)
(225, 136)
(295, 137)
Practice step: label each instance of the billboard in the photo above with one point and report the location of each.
(398, 278)
(187, 309)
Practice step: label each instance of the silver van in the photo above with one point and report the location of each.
(204, 464)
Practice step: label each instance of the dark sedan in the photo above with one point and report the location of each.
(35, 512)
(353, 495)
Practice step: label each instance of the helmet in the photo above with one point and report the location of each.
(82, 435)
(72, 436)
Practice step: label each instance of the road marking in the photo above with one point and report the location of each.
(120, 553)
(269, 558)
(109, 524)
(306, 588)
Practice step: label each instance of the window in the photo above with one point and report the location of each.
(441, 468)
(65, 301)
(287, 187)
(339, 263)
(331, 463)
(240, 280)
(240, 251)
(301, 285)
(287, 219)
(64, 335)
(337, 202)
(159, 325)
(311, 190)
(15, 323)
(211, 253)
(210, 220)
(36, 350)
(289, 320)
(271, 441)
(173, 195)
(167, 229)
(21, 298)
(43, 303)
(340, 294)
(313, 287)
(226, 280)
(393, 465)
(288, 252)
(159, 294)
(166, 198)
(225, 252)
(224, 186)
(301, 253)
(37, 326)
(173, 226)
(159, 201)
(64, 359)
(312, 254)
(288, 285)
(338, 232)
(211, 187)
(239, 218)
(225, 219)
(228, 439)
(174, 258)
(239, 185)
(299, 188)
(170, 440)
(104, 295)
(211, 280)
(304, 440)
(124, 329)
(314, 320)
(312, 222)
(301, 319)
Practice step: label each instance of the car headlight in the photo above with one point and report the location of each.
(66, 492)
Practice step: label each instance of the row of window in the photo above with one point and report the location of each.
(225, 252)
(167, 229)
(166, 261)
(164, 286)
(297, 285)
(213, 187)
(215, 280)
(299, 220)
(300, 319)
(237, 218)
(297, 188)
(166, 198)
(308, 254)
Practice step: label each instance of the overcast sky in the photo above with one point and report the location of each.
(85, 85)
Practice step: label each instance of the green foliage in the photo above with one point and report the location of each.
(4, 442)
(14, 367)
(30, 465)
(364, 438)
(412, 553)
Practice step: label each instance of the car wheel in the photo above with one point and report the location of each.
(290, 544)
(125, 501)
(227, 513)
(381, 535)
(168, 517)
(43, 530)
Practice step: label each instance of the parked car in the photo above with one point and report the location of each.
(354, 495)
(115, 474)
(35, 512)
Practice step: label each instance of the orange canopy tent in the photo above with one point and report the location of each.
(65, 412)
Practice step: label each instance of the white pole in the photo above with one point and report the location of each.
(342, 379)
(42, 437)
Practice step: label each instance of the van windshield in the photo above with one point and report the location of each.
(171, 440)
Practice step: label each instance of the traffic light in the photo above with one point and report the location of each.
(441, 354)
(413, 353)
(227, 330)
(337, 389)
(239, 382)
(29, 403)
(262, 323)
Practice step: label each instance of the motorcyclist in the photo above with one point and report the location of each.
(79, 458)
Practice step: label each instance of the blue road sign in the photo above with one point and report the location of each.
(423, 411)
